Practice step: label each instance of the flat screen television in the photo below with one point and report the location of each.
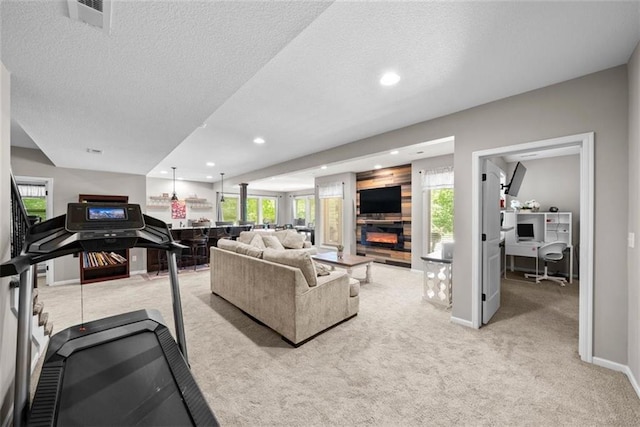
(516, 180)
(381, 200)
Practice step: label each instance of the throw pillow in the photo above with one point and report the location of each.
(257, 242)
(246, 237)
(322, 269)
(272, 242)
(227, 244)
(248, 250)
(293, 240)
(293, 258)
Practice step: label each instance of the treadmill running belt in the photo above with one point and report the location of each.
(122, 382)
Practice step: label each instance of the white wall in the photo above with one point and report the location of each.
(8, 321)
(184, 189)
(634, 214)
(68, 184)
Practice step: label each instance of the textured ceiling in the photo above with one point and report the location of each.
(302, 75)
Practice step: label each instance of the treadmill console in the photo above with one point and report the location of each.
(104, 219)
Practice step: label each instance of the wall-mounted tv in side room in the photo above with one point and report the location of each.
(381, 200)
(516, 180)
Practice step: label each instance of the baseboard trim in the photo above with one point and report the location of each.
(462, 322)
(619, 368)
(66, 282)
(137, 272)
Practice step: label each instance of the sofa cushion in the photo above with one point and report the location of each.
(354, 287)
(294, 258)
(249, 250)
(227, 244)
(272, 242)
(258, 242)
(293, 240)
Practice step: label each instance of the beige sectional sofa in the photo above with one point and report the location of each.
(281, 288)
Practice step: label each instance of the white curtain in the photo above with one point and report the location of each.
(330, 190)
(27, 190)
(437, 178)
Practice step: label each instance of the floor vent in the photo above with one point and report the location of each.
(92, 12)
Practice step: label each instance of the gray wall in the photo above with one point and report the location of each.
(596, 102)
(67, 185)
(8, 322)
(634, 214)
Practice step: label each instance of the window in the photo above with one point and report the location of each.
(230, 209)
(304, 210)
(34, 198)
(437, 190)
(331, 195)
(331, 221)
(262, 210)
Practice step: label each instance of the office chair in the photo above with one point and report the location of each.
(550, 252)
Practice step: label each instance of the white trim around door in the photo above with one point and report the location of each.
(585, 142)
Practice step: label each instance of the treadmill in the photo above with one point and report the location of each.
(121, 370)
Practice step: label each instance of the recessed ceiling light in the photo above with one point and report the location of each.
(209, 177)
(210, 164)
(378, 166)
(389, 79)
(323, 167)
(259, 140)
(394, 152)
(163, 172)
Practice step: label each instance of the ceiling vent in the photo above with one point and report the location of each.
(92, 12)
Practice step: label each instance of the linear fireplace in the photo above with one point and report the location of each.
(387, 235)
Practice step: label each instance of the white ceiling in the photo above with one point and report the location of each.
(302, 74)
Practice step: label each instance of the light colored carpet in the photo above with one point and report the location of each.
(399, 362)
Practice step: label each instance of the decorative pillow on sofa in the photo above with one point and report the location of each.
(249, 250)
(293, 258)
(321, 269)
(257, 242)
(227, 244)
(246, 237)
(272, 242)
(293, 240)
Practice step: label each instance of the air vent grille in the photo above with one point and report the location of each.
(93, 4)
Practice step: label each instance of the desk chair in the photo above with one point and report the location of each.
(550, 252)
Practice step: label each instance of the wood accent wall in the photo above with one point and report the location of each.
(399, 175)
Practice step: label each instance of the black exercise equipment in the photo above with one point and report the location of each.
(125, 369)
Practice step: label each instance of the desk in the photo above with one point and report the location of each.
(530, 249)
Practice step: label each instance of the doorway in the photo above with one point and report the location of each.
(585, 144)
(37, 196)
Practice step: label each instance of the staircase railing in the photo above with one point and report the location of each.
(19, 220)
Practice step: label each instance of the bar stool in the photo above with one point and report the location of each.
(197, 242)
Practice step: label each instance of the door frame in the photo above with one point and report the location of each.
(585, 142)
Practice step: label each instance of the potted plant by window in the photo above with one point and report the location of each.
(340, 251)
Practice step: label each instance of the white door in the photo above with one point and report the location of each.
(490, 240)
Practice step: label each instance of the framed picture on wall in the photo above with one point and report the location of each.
(178, 209)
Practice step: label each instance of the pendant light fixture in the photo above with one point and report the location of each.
(221, 187)
(174, 197)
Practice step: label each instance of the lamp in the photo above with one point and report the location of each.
(221, 187)
(174, 197)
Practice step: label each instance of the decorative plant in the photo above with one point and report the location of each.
(531, 204)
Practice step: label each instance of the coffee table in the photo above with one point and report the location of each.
(347, 261)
